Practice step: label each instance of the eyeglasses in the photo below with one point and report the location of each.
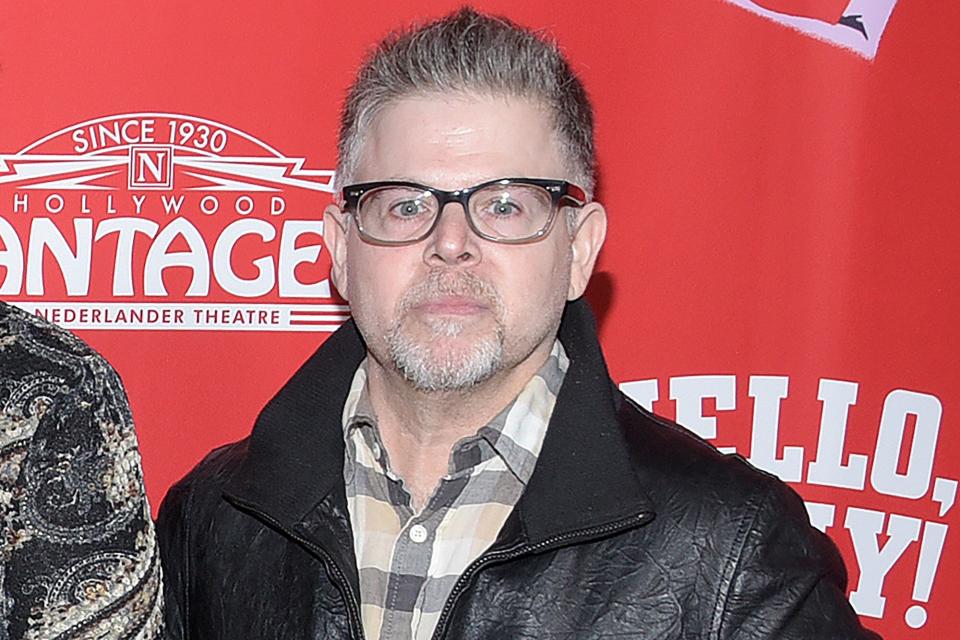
(508, 210)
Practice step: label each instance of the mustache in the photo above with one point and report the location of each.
(444, 282)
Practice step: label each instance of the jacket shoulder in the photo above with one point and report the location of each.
(708, 493)
(205, 482)
(780, 572)
(666, 453)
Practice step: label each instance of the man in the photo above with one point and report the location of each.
(455, 462)
(78, 555)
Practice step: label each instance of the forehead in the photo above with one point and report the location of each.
(452, 141)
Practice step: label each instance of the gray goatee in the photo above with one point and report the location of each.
(426, 363)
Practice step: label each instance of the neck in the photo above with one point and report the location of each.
(419, 429)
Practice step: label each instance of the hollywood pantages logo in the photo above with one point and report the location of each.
(165, 221)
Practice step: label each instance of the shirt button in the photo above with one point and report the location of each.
(376, 450)
(418, 533)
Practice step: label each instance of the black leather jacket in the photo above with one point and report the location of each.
(630, 527)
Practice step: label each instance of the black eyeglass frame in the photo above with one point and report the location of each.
(562, 193)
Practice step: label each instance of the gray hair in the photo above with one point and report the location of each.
(468, 52)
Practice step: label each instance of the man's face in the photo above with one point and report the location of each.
(454, 309)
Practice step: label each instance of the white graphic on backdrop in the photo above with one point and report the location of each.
(859, 26)
(164, 221)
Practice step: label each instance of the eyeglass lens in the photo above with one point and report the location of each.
(510, 212)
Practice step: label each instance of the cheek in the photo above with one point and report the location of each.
(364, 282)
(377, 279)
(538, 284)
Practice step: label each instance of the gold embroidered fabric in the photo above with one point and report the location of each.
(78, 557)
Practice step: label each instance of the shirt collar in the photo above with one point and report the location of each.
(515, 434)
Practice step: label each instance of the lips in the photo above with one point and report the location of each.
(454, 295)
(452, 305)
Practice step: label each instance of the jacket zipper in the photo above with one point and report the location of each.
(353, 608)
(504, 555)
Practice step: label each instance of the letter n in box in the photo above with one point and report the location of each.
(151, 166)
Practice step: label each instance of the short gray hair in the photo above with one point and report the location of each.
(469, 52)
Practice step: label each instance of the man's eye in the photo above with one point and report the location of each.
(503, 208)
(407, 209)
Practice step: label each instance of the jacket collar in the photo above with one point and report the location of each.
(584, 477)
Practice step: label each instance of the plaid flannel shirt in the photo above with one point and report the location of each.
(410, 561)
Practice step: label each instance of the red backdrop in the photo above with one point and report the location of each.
(780, 273)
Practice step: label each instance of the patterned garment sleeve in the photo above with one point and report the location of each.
(78, 556)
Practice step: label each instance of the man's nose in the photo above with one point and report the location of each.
(452, 241)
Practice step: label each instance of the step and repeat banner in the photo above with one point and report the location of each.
(781, 274)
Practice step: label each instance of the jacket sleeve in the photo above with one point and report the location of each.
(788, 581)
(173, 537)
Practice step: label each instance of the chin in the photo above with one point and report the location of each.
(447, 360)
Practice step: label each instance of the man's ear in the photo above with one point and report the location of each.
(335, 232)
(588, 237)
